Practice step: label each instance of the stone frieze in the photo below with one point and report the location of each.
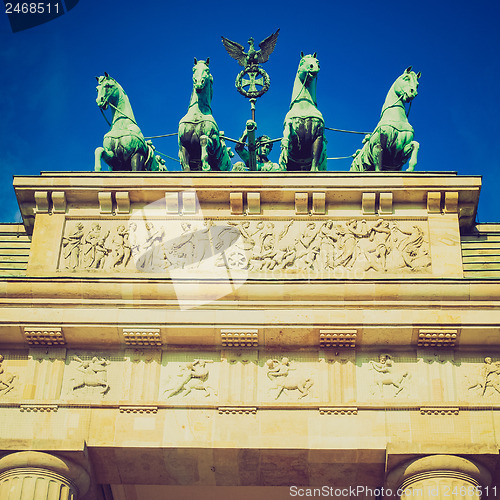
(266, 246)
(250, 377)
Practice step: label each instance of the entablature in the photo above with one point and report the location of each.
(109, 312)
(322, 193)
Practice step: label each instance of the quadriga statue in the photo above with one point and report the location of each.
(391, 144)
(303, 146)
(124, 146)
(200, 144)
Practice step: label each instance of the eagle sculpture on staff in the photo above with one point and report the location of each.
(252, 57)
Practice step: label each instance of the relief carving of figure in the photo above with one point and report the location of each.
(202, 245)
(328, 237)
(94, 249)
(121, 250)
(72, 247)
(285, 258)
(269, 254)
(227, 246)
(377, 245)
(91, 373)
(263, 256)
(192, 376)
(248, 241)
(412, 252)
(152, 256)
(348, 243)
(239, 254)
(6, 379)
(308, 247)
(182, 251)
(263, 147)
(134, 242)
(263, 246)
(279, 373)
(385, 374)
(488, 377)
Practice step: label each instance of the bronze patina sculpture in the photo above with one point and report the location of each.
(391, 144)
(252, 82)
(124, 146)
(263, 147)
(250, 61)
(200, 144)
(303, 146)
(252, 57)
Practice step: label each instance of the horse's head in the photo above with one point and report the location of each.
(406, 85)
(107, 91)
(308, 66)
(201, 74)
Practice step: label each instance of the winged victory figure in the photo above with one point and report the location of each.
(252, 57)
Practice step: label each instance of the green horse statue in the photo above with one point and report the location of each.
(124, 146)
(391, 144)
(200, 144)
(303, 146)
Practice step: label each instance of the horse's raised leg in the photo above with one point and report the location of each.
(205, 166)
(8, 386)
(78, 386)
(304, 390)
(399, 388)
(414, 145)
(208, 390)
(380, 385)
(281, 388)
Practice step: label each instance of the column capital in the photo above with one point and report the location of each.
(37, 460)
(443, 465)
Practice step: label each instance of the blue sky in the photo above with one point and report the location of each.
(49, 119)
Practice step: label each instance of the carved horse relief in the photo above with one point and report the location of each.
(200, 144)
(191, 376)
(303, 146)
(391, 144)
(92, 373)
(386, 375)
(6, 379)
(124, 146)
(284, 378)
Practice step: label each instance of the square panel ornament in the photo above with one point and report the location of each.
(189, 378)
(93, 376)
(386, 377)
(288, 377)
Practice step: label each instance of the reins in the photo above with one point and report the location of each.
(301, 89)
(400, 97)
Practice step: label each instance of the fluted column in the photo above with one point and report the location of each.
(439, 477)
(32, 475)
